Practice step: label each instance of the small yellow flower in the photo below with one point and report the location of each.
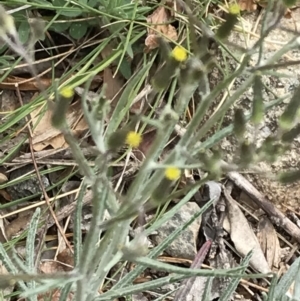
(179, 54)
(234, 9)
(67, 92)
(172, 173)
(133, 139)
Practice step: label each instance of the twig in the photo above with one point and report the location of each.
(275, 214)
(39, 176)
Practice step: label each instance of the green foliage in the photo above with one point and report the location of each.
(76, 18)
(78, 30)
(24, 31)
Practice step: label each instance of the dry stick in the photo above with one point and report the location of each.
(34, 205)
(275, 214)
(39, 176)
(69, 209)
(60, 162)
(59, 153)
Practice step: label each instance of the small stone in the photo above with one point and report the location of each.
(185, 244)
(27, 187)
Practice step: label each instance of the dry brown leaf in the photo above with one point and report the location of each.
(114, 84)
(51, 267)
(243, 236)
(45, 134)
(54, 296)
(18, 225)
(67, 258)
(80, 127)
(269, 242)
(65, 263)
(56, 142)
(247, 5)
(3, 178)
(158, 21)
(147, 141)
(44, 130)
(5, 194)
(145, 145)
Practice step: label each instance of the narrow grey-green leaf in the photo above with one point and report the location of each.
(77, 236)
(30, 241)
(207, 289)
(125, 101)
(30, 248)
(257, 114)
(7, 280)
(296, 295)
(287, 280)
(270, 296)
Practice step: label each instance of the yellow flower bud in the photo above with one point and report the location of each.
(234, 9)
(66, 92)
(133, 139)
(172, 173)
(179, 54)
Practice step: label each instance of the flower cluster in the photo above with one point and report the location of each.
(234, 9)
(66, 92)
(179, 54)
(172, 173)
(133, 139)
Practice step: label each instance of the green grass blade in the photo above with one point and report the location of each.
(287, 280)
(125, 101)
(30, 247)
